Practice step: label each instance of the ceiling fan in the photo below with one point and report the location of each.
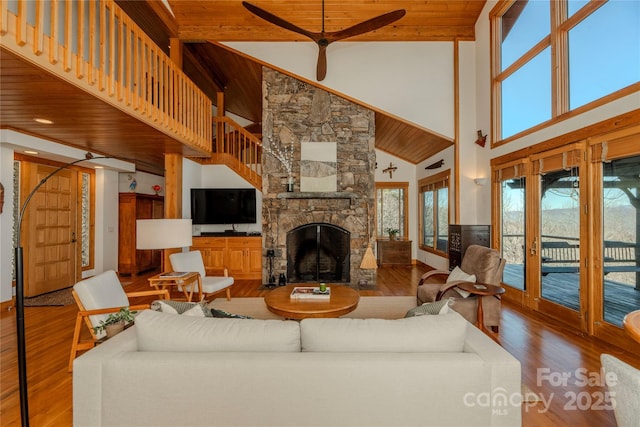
(323, 39)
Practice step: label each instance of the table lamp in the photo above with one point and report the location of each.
(163, 234)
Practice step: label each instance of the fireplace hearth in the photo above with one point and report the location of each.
(318, 252)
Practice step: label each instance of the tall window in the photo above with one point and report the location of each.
(553, 57)
(434, 212)
(512, 202)
(392, 208)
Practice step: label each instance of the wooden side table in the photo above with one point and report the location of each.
(185, 281)
(482, 290)
(393, 252)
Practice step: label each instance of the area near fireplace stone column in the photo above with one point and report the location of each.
(295, 112)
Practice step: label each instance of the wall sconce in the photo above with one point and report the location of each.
(480, 181)
(481, 139)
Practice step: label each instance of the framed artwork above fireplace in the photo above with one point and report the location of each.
(318, 167)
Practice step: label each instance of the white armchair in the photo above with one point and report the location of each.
(97, 297)
(625, 389)
(192, 261)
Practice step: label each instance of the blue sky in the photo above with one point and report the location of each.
(604, 56)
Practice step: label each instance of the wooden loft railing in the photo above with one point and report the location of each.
(97, 47)
(237, 148)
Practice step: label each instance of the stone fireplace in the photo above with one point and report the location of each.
(295, 113)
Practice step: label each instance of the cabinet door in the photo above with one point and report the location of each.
(244, 257)
(213, 253)
(213, 260)
(236, 260)
(255, 260)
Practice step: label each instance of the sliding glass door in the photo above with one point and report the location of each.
(620, 228)
(569, 221)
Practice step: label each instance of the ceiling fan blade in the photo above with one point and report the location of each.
(321, 68)
(366, 26)
(270, 17)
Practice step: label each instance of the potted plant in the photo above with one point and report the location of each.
(115, 322)
(393, 233)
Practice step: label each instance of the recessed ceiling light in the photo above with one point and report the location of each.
(98, 167)
(43, 121)
(31, 152)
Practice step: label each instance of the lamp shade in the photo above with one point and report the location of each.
(163, 233)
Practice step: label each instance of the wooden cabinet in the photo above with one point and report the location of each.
(213, 253)
(393, 252)
(133, 206)
(461, 236)
(242, 256)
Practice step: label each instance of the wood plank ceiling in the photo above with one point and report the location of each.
(89, 124)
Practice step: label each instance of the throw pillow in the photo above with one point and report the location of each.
(216, 312)
(195, 309)
(458, 274)
(436, 307)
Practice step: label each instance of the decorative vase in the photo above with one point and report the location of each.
(290, 182)
(114, 328)
(392, 236)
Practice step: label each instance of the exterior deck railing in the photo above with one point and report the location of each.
(96, 46)
(562, 255)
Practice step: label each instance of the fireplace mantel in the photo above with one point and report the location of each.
(318, 195)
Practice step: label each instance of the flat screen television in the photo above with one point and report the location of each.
(223, 205)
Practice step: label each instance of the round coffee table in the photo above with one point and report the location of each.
(343, 300)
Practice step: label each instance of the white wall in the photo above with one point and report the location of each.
(412, 80)
(215, 176)
(106, 231)
(406, 172)
(141, 181)
(6, 223)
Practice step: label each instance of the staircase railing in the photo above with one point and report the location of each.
(237, 148)
(97, 47)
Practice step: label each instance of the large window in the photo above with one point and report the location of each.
(391, 208)
(434, 212)
(555, 57)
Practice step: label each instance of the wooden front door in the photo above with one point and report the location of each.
(49, 229)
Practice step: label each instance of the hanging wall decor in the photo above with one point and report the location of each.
(318, 167)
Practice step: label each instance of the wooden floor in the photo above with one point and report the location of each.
(545, 350)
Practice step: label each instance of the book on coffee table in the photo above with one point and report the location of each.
(173, 274)
(310, 292)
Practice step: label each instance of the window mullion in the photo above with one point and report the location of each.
(559, 60)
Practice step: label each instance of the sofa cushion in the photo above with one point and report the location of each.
(169, 332)
(444, 333)
(436, 307)
(456, 275)
(195, 309)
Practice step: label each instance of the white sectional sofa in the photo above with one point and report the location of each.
(172, 370)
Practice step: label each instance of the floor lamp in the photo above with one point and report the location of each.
(19, 273)
(163, 233)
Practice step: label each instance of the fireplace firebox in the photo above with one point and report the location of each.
(318, 252)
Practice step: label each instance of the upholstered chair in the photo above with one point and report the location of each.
(625, 389)
(97, 297)
(192, 261)
(479, 264)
